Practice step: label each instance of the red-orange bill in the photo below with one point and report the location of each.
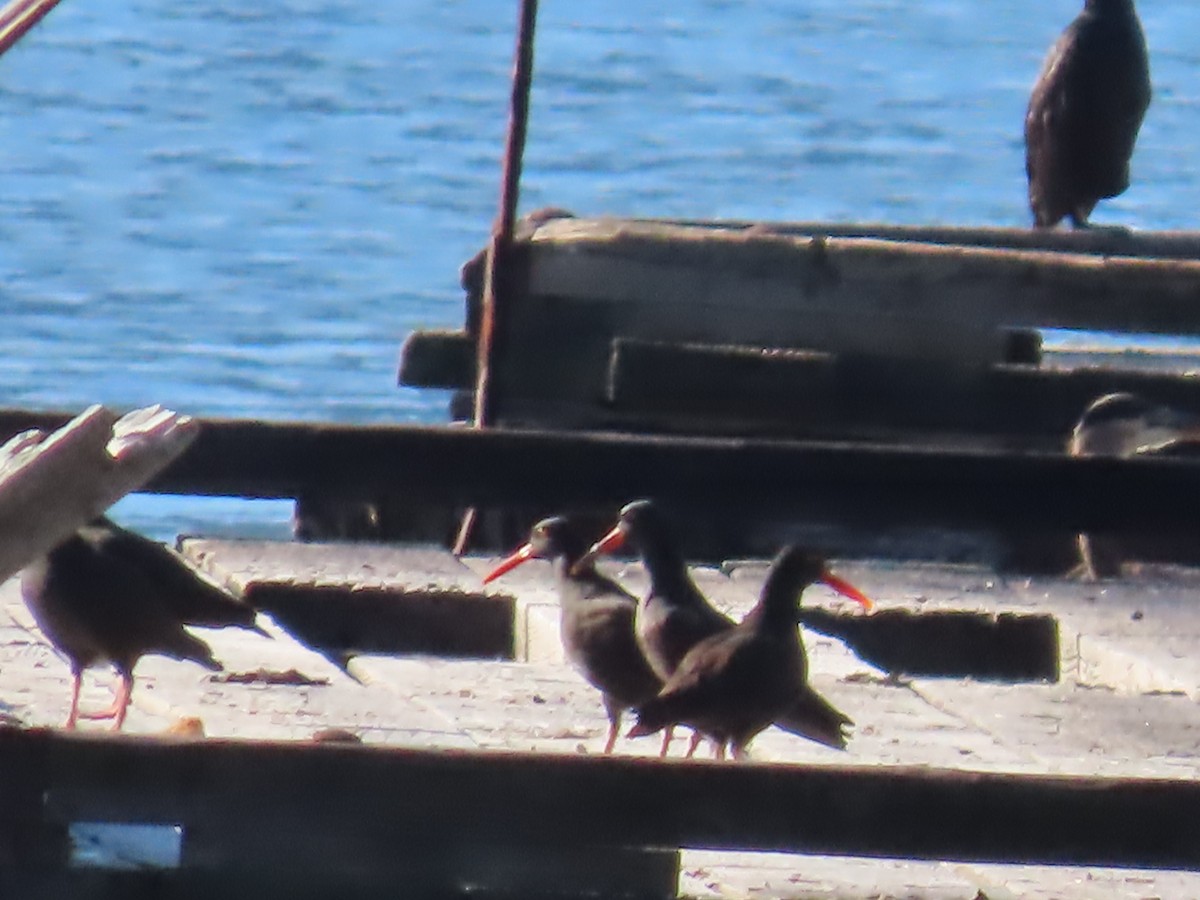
(846, 589)
(521, 555)
(614, 540)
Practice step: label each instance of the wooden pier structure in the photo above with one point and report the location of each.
(880, 393)
(1068, 772)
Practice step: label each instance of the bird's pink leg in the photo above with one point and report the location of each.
(720, 751)
(118, 708)
(73, 715)
(613, 728)
(693, 744)
(668, 733)
(124, 695)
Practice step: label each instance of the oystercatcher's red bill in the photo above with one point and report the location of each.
(522, 554)
(846, 589)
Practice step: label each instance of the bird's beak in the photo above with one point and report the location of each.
(614, 540)
(846, 589)
(521, 555)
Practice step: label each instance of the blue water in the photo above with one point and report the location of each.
(241, 210)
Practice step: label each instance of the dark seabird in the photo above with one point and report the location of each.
(734, 684)
(107, 594)
(1085, 112)
(674, 616)
(597, 620)
(1124, 425)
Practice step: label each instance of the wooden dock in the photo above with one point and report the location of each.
(488, 750)
(880, 394)
(814, 330)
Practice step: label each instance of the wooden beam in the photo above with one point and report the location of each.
(722, 389)
(1008, 647)
(860, 484)
(1100, 241)
(423, 798)
(437, 359)
(851, 294)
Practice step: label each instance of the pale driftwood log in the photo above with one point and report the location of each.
(50, 484)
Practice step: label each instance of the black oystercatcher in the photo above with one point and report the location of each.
(674, 616)
(1085, 112)
(733, 684)
(1124, 425)
(109, 595)
(597, 620)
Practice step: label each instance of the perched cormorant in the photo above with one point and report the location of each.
(1085, 112)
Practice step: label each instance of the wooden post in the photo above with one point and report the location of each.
(487, 348)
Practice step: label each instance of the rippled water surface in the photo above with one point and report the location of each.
(242, 210)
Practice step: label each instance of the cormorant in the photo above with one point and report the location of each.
(1085, 112)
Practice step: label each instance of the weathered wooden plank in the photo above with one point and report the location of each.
(26, 841)
(568, 801)
(1006, 647)
(852, 294)
(731, 381)
(585, 283)
(50, 484)
(779, 481)
(318, 870)
(724, 389)
(437, 359)
(348, 599)
(1102, 241)
(669, 387)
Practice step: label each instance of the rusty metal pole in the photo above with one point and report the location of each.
(18, 17)
(487, 347)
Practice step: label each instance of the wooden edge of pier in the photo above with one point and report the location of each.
(262, 795)
(418, 469)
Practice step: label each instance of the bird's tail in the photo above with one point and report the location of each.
(815, 718)
(188, 646)
(649, 720)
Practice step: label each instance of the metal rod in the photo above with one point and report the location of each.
(18, 17)
(487, 348)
